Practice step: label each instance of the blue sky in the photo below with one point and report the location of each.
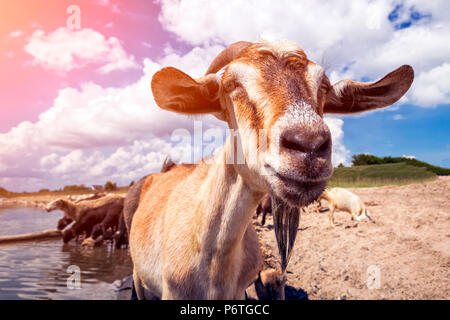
(424, 133)
(76, 105)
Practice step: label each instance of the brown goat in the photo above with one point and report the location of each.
(86, 214)
(130, 205)
(191, 235)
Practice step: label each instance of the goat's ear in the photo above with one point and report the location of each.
(348, 96)
(175, 91)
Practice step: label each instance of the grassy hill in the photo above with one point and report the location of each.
(368, 159)
(380, 175)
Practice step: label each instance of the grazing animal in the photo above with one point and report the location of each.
(64, 222)
(111, 221)
(120, 238)
(342, 199)
(191, 236)
(60, 204)
(74, 210)
(264, 207)
(86, 214)
(85, 225)
(93, 216)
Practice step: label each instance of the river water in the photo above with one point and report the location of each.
(45, 269)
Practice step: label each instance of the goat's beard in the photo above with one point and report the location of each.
(285, 221)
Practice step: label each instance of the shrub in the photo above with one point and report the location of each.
(110, 186)
(365, 159)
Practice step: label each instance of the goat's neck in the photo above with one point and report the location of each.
(227, 211)
(69, 209)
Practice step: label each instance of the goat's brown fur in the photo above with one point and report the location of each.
(191, 236)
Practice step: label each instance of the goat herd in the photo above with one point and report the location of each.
(97, 217)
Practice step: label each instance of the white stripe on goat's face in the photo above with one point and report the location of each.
(274, 88)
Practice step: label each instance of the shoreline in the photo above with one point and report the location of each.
(15, 203)
(41, 201)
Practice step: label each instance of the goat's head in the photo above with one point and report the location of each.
(274, 91)
(55, 205)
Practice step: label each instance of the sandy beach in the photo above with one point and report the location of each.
(409, 244)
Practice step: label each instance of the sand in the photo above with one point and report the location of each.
(408, 246)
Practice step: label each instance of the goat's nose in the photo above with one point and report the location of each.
(296, 140)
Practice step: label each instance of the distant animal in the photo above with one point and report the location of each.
(94, 216)
(264, 207)
(342, 199)
(192, 235)
(64, 222)
(68, 207)
(86, 214)
(110, 222)
(120, 238)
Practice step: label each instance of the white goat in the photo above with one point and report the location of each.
(342, 199)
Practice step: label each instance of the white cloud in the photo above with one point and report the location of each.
(49, 160)
(353, 39)
(340, 153)
(432, 87)
(129, 133)
(64, 50)
(398, 117)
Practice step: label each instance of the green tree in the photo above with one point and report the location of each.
(110, 186)
(365, 159)
(75, 187)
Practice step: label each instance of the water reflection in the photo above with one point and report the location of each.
(38, 270)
